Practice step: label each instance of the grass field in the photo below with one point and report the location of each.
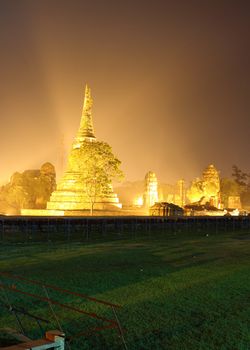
(177, 291)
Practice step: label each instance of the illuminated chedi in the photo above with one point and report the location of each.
(150, 196)
(207, 189)
(211, 180)
(71, 193)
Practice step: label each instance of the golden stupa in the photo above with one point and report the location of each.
(69, 196)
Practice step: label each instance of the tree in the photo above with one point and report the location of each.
(46, 184)
(229, 187)
(30, 189)
(241, 178)
(14, 194)
(98, 166)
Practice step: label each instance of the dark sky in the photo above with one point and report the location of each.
(170, 82)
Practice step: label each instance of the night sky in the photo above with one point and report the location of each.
(170, 82)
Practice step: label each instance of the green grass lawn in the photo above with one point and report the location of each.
(177, 292)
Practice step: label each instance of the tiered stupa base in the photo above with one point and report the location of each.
(50, 212)
(69, 196)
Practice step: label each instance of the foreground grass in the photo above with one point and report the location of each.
(177, 292)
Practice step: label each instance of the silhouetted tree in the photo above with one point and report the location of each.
(243, 180)
(229, 187)
(240, 177)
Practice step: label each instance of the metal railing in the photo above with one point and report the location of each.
(66, 229)
(12, 284)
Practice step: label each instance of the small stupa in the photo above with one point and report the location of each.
(69, 196)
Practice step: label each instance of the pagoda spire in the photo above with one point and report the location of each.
(86, 130)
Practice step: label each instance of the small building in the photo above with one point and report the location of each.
(165, 209)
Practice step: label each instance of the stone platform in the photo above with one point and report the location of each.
(68, 198)
(48, 212)
(76, 213)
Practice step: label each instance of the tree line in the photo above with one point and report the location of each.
(238, 185)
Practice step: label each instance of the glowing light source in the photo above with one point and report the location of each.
(138, 201)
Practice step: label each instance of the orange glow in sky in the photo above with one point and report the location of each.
(170, 82)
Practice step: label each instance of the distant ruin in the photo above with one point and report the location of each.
(28, 190)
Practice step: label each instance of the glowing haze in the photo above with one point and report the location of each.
(170, 82)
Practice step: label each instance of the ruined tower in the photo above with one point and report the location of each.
(150, 196)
